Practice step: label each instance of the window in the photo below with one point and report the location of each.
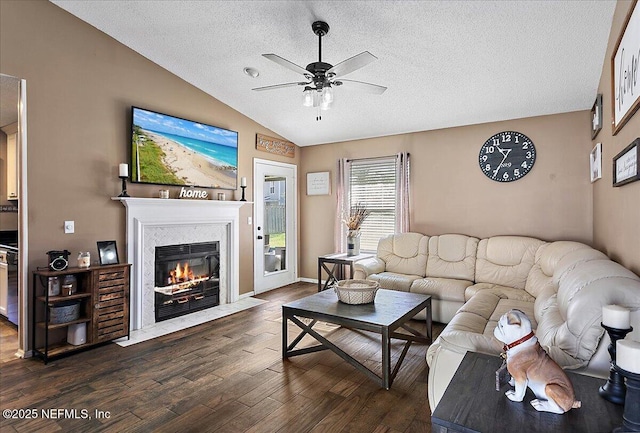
(372, 183)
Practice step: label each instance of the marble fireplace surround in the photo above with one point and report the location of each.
(155, 222)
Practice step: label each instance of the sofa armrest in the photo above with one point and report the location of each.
(365, 267)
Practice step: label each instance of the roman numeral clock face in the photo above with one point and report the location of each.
(507, 156)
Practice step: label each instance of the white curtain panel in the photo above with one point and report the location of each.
(341, 197)
(402, 192)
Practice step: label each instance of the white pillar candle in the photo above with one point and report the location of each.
(243, 181)
(628, 355)
(615, 316)
(124, 170)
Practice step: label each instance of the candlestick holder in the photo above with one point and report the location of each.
(614, 390)
(243, 188)
(631, 414)
(124, 187)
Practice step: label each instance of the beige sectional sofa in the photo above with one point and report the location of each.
(562, 287)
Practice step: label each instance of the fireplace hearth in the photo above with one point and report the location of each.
(187, 279)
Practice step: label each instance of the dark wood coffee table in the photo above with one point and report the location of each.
(472, 404)
(391, 311)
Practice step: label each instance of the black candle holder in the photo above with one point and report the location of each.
(124, 187)
(631, 414)
(614, 390)
(243, 188)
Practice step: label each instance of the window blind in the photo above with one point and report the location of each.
(372, 183)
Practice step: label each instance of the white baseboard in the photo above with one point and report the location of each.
(246, 295)
(309, 280)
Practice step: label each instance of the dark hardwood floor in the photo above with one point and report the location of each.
(223, 376)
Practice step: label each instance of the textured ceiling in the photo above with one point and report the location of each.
(445, 63)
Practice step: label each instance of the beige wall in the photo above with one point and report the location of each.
(616, 211)
(81, 85)
(451, 195)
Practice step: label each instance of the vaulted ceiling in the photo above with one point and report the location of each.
(445, 63)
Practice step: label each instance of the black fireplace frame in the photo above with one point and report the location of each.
(203, 295)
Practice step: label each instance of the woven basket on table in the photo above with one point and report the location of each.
(356, 291)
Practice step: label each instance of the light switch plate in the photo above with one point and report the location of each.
(69, 226)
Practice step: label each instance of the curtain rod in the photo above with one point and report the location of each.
(377, 157)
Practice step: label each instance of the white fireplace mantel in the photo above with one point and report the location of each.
(149, 213)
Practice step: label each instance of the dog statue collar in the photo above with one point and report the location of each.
(519, 341)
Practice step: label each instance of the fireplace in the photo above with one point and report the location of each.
(187, 279)
(154, 223)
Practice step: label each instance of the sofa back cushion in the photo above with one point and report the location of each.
(452, 256)
(570, 324)
(404, 253)
(506, 260)
(546, 261)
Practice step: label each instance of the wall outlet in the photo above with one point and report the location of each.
(69, 226)
(249, 220)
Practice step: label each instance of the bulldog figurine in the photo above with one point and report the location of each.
(529, 365)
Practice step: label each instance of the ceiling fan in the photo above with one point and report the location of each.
(321, 77)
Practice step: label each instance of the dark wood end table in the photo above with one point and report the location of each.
(472, 404)
(391, 311)
(337, 272)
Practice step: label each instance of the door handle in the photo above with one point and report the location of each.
(259, 237)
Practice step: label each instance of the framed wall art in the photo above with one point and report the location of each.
(108, 253)
(625, 164)
(595, 162)
(596, 116)
(625, 74)
(318, 183)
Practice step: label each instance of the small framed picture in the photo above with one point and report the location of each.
(318, 183)
(596, 162)
(625, 164)
(108, 253)
(596, 116)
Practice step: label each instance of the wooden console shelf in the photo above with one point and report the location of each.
(103, 294)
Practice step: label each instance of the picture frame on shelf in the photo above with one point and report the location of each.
(108, 253)
(596, 116)
(625, 87)
(318, 183)
(626, 163)
(595, 162)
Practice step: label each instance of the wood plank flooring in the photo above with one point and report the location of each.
(223, 376)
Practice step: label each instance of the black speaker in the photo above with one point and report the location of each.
(58, 260)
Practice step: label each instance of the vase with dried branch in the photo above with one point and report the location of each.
(357, 215)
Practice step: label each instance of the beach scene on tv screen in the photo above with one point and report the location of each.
(171, 151)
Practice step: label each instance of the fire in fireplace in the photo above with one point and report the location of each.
(187, 279)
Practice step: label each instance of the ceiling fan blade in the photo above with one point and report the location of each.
(286, 63)
(280, 86)
(367, 87)
(351, 64)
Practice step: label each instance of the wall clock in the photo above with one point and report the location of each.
(507, 156)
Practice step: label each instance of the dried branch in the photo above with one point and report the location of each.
(357, 214)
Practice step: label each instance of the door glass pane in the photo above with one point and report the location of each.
(275, 223)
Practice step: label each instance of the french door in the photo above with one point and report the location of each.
(275, 245)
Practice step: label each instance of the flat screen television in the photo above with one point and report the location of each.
(168, 150)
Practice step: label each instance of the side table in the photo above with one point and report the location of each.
(472, 404)
(336, 272)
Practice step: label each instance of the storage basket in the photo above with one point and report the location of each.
(64, 312)
(356, 292)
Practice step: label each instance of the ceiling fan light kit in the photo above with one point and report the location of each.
(322, 77)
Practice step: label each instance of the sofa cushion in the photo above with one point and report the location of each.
(452, 256)
(570, 324)
(472, 326)
(404, 253)
(394, 281)
(446, 289)
(546, 261)
(506, 260)
(497, 289)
